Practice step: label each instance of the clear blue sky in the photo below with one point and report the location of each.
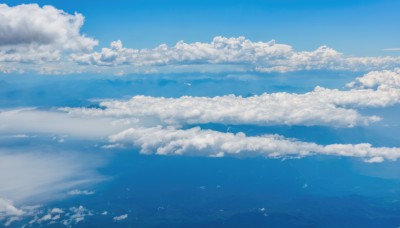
(355, 27)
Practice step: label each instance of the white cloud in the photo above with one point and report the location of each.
(240, 53)
(52, 215)
(80, 192)
(329, 107)
(30, 33)
(198, 142)
(121, 217)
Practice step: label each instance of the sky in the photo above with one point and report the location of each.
(199, 113)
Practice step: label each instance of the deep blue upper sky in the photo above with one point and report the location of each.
(355, 27)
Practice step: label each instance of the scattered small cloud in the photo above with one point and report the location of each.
(78, 214)
(121, 217)
(80, 192)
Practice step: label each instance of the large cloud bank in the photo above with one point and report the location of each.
(241, 53)
(194, 141)
(327, 107)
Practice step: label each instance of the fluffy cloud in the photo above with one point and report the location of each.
(246, 55)
(329, 107)
(195, 141)
(30, 33)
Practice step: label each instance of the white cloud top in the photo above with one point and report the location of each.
(243, 54)
(328, 107)
(33, 33)
(195, 141)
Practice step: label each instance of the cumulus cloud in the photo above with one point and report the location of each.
(30, 33)
(328, 107)
(243, 53)
(198, 142)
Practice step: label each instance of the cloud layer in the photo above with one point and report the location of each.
(327, 107)
(240, 53)
(195, 141)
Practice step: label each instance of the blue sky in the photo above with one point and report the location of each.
(199, 113)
